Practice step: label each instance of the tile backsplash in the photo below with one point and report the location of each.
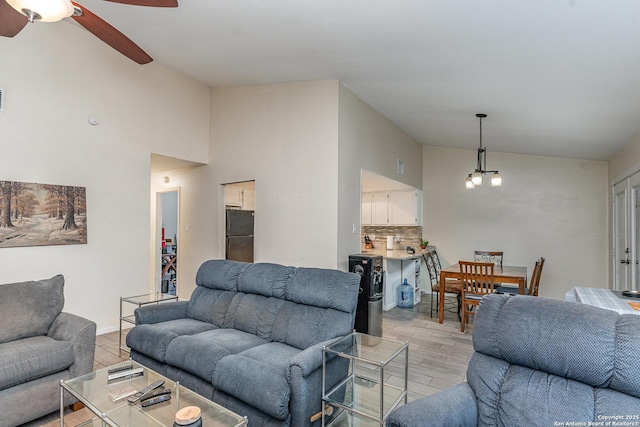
(409, 236)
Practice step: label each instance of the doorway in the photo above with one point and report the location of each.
(167, 212)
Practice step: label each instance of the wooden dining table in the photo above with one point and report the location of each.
(504, 274)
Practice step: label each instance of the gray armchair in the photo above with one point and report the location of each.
(39, 346)
(538, 361)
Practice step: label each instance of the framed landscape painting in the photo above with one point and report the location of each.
(42, 214)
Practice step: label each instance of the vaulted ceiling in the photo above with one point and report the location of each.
(556, 77)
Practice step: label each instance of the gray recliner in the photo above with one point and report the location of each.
(250, 337)
(538, 362)
(39, 346)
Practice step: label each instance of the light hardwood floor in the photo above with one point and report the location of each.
(438, 354)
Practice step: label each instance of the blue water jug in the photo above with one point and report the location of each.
(405, 295)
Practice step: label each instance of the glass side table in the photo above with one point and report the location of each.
(139, 300)
(363, 392)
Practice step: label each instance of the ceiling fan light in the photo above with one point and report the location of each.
(469, 184)
(476, 178)
(43, 10)
(496, 180)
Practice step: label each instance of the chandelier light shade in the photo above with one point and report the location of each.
(496, 179)
(43, 10)
(469, 183)
(474, 179)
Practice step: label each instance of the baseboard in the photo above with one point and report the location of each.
(110, 329)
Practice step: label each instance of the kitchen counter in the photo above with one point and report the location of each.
(397, 254)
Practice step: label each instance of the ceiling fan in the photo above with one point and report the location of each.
(14, 15)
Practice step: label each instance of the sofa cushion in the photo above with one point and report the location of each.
(270, 280)
(259, 376)
(210, 305)
(302, 326)
(199, 353)
(29, 307)
(34, 357)
(331, 289)
(254, 314)
(153, 339)
(219, 274)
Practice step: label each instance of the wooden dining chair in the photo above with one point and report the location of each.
(451, 286)
(534, 283)
(489, 256)
(477, 281)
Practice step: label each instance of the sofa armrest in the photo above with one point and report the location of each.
(154, 313)
(305, 379)
(455, 406)
(310, 359)
(82, 333)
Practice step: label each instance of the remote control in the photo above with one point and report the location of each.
(122, 374)
(155, 393)
(147, 389)
(155, 400)
(120, 369)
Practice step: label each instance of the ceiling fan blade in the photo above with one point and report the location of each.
(111, 36)
(11, 21)
(151, 3)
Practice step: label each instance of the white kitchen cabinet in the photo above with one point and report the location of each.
(238, 197)
(380, 208)
(233, 196)
(404, 208)
(248, 199)
(367, 213)
(392, 208)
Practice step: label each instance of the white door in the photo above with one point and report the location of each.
(620, 233)
(626, 233)
(634, 205)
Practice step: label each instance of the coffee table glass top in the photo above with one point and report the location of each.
(93, 390)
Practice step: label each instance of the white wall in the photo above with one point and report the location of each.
(625, 160)
(367, 140)
(551, 207)
(55, 76)
(285, 137)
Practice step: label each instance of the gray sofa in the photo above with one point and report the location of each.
(39, 346)
(251, 337)
(540, 362)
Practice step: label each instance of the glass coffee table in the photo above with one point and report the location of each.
(97, 394)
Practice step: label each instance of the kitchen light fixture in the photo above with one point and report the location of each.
(475, 178)
(43, 10)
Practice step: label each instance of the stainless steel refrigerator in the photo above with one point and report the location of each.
(239, 245)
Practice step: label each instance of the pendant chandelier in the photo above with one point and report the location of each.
(475, 178)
